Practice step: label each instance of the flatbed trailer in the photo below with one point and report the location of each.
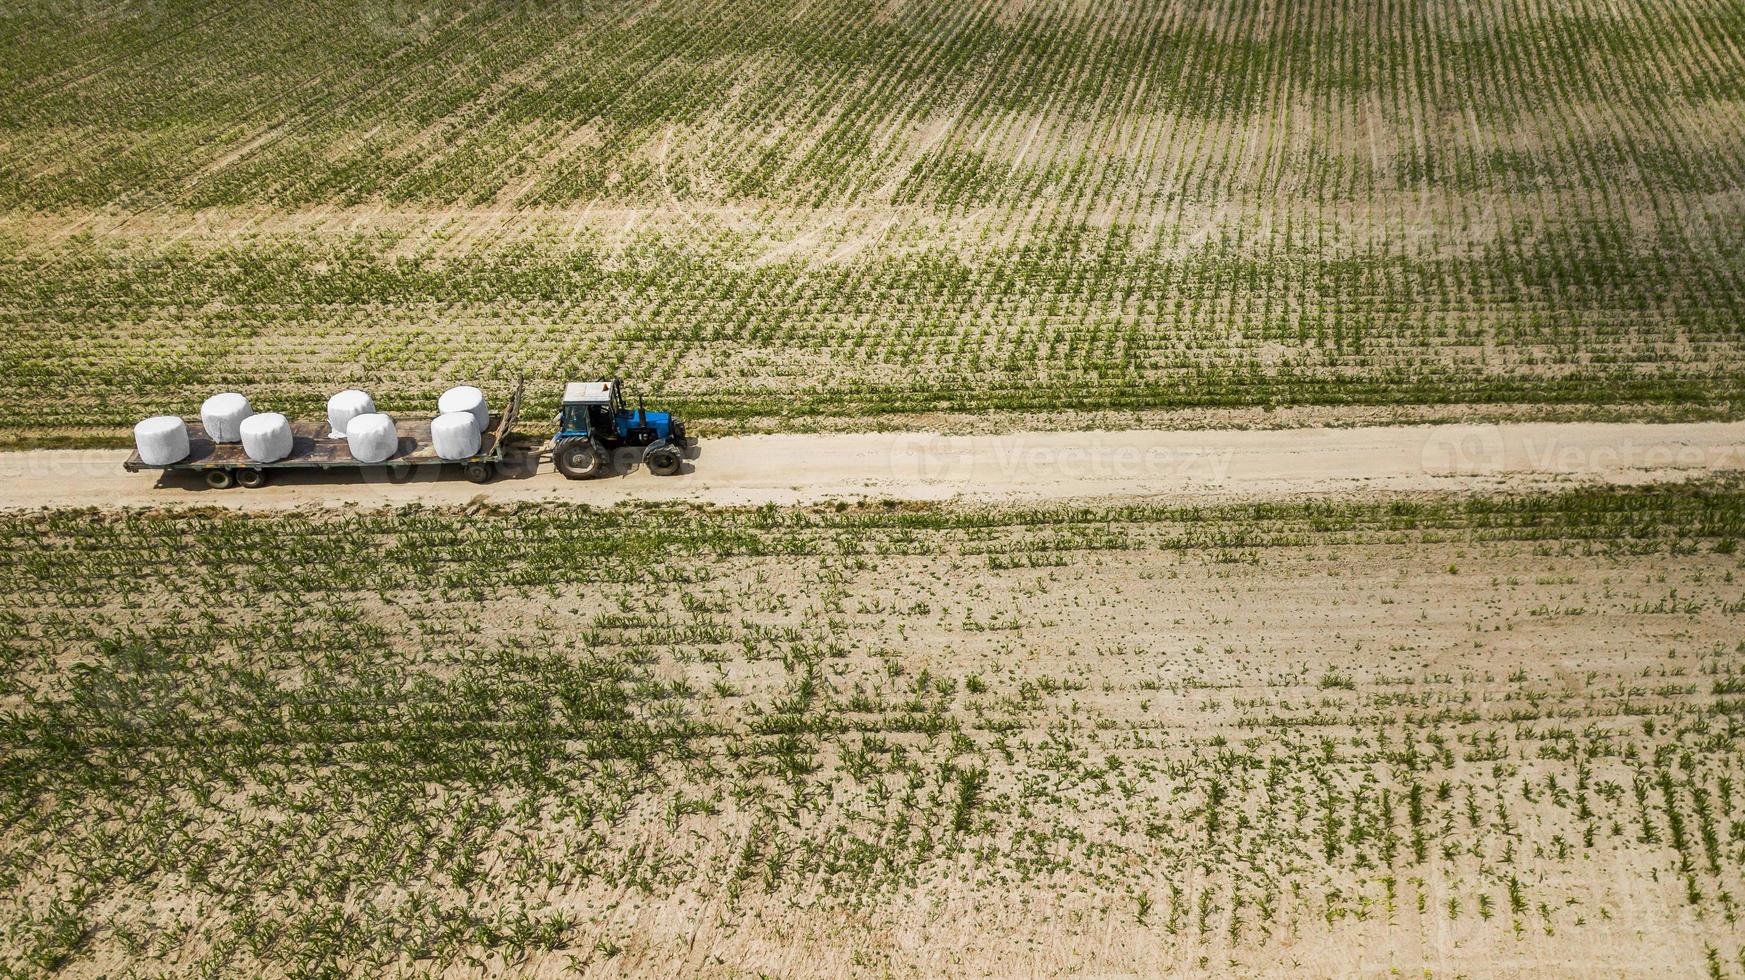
(225, 464)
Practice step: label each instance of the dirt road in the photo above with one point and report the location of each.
(1015, 467)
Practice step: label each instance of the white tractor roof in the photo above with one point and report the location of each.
(588, 392)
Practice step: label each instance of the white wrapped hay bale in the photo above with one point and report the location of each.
(161, 440)
(455, 435)
(345, 406)
(266, 437)
(465, 398)
(372, 437)
(223, 414)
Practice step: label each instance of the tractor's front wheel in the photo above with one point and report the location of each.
(580, 459)
(663, 459)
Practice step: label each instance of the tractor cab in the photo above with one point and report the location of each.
(595, 421)
(589, 407)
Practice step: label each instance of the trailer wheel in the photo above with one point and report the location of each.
(399, 472)
(251, 478)
(220, 479)
(662, 459)
(480, 472)
(579, 459)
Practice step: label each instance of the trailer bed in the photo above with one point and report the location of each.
(313, 448)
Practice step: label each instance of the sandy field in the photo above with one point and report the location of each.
(1460, 735)
(1186, 489)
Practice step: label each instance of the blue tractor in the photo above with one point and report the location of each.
(595, 426)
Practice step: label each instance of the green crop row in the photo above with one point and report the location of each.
(957, 105)
(781, 214)
(417, 740)
(97, 333)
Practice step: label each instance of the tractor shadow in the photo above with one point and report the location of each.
(628, 460)
(513, 467)
(517, 467)
(510, 469)
(692, 453)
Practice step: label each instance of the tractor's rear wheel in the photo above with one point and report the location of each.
(663, 459)
(580, 459)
